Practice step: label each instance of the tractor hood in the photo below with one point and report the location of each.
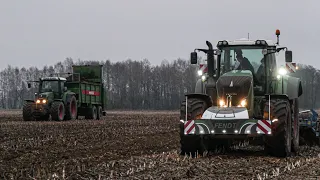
(237, 84)
(45, 95)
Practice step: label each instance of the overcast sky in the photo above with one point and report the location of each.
(39, 32)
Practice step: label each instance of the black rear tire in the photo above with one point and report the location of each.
(57, 111)
(72, 109)
(295, 127)
(279, 144)
(27, 111)
(191, 144)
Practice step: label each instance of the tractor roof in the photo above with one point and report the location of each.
(244, 41)
(53, 78)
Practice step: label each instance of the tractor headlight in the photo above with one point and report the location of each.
(44, 101)
(203, 77)
(243, 103)
(221, 102)
(38, 101)
(200, 73)
(282, 71)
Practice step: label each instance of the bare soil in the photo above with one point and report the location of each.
(131, 145)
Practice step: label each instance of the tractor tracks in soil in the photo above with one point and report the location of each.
(130, 145)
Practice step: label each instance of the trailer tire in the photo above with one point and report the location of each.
(99, 113)
(92, 113)
(27, 111)
(279, 144)
(72, 109)
(295, 126)
(57, 111)
(191, 144)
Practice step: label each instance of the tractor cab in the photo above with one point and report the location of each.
(248, 58)
(49, 88)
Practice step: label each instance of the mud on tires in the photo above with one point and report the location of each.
(191, 144)
(27, 111)
(279, 144)
(57, 111)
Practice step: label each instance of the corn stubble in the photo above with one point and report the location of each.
(130, 145)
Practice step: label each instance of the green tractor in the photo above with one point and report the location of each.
(80, 93)
(245, 97)
(53, 99)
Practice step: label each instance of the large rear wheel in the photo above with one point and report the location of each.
(57, 111)
(72, 109)
(191, 144)
(279, 144)
(295, 126)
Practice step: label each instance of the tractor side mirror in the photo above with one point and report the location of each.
(29, 85)
(194, 58)
(288, 56)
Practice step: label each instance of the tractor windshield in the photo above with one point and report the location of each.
(49, 86)
(243, 58)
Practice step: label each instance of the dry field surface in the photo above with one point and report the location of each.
(130, 145)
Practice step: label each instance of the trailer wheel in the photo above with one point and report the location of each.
(279, 144)
(92, 113)
(295, 127)
(27, 111)
(57, 111)
(99, 113)
(191, 144)
(72, 109)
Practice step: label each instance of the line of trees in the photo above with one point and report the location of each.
(136, 84)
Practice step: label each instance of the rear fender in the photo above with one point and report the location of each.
(277, 96)
(203, 97)
(29, 100)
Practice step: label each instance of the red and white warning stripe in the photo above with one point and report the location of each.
(92, 93)
(264, 127)
(189, 127)
(203, 68)
(291, 67)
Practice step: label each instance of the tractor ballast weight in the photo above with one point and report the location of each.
(250, 102)
(65, 96)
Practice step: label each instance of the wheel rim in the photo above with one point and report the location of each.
(60, 111)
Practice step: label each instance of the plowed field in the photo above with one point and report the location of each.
(130, 145)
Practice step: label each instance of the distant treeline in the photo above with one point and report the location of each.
(136, 84)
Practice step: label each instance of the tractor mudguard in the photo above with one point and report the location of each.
(277, 96)
(294, 87)
(200, 87)
(29, 100)
(291, 87)
(204, 97)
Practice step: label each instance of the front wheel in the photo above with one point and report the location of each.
(27, 111)
(191, 144)
(279, 144)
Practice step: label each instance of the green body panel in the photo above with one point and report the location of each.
(250, 97)
(90, 82)
(90, 73)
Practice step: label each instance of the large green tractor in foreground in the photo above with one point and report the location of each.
(246, 96)
(80, 93)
